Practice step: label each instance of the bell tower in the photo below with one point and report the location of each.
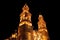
(25, 26)
(42, 29)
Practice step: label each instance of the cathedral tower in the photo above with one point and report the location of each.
(42, 29)
(25, 26)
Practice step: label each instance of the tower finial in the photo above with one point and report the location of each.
(25, 7)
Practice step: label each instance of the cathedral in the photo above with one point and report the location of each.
(25, 29)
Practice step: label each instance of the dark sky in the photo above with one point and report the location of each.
(10, 15)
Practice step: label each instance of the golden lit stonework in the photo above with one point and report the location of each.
(25, 29)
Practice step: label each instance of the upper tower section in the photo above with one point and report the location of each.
(41, 22)
(25, 15)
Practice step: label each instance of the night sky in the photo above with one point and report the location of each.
(11, 11)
